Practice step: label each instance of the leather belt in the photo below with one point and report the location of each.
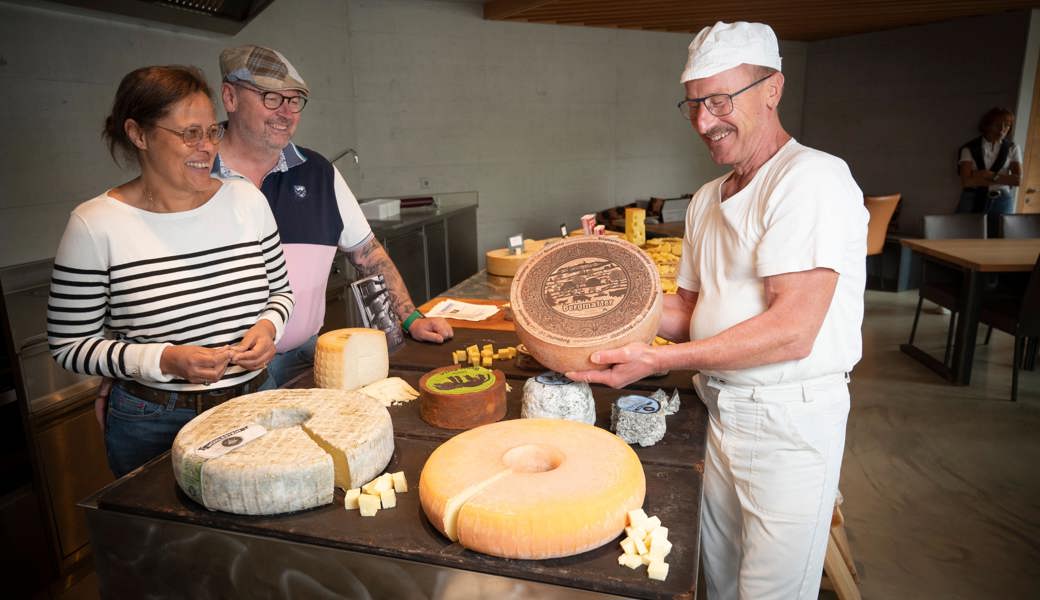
(199, 400)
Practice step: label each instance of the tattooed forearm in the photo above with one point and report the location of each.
(371, 258)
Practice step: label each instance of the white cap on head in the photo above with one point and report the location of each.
(726, 45)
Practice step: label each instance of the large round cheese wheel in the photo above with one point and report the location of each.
(532, 488)
(585, 294)
(309, 441)
(456, 397)
(346, 359)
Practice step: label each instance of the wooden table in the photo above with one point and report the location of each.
(149, 538)
(971, 258)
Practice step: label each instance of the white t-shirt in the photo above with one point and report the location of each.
(989, 155)
(801, 211)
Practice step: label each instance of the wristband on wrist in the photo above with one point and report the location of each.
(411, 319)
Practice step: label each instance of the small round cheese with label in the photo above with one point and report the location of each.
(552, 395)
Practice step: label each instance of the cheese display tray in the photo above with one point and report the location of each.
(423, 357)
(404, 532)
(673, 469)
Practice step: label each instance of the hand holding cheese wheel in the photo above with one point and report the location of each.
(532, 488)
(582, 295)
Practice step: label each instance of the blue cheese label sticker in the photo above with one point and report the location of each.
(638, 404)
(553, 378)
(229, 441)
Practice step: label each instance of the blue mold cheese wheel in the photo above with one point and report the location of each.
(282, 450)
(582, 295)
(532, 488)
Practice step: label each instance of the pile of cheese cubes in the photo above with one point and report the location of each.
(482, 357)
(665, 253)
(647, 544)
(381, 492)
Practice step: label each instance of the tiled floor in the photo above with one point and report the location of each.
(941, 484)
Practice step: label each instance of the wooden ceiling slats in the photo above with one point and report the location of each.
(792, 19)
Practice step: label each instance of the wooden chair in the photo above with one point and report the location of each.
(1020, 226)
(939, 287)
(1020, 317)
(839, 569)
(881, 209)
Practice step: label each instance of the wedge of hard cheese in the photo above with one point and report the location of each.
(282, 450)
(346, 359)
(532, 488)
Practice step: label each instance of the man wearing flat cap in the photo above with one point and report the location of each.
(769, 310)
(315, 210)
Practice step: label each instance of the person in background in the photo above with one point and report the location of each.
(172, 285)
(989, 166)
(769, 309)
(315, 209)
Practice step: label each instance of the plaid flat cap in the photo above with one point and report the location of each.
(262, 67)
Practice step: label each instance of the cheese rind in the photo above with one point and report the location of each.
(346, 359)
(532, 488)
(316, 439)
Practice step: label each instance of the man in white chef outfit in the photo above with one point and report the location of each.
(769, 310)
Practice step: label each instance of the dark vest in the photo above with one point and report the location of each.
(975, 148)
(303, 200)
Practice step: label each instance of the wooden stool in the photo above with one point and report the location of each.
(839, 570)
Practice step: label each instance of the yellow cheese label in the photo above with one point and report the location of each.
(462, 381)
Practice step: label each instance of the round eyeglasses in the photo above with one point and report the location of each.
(194, 134)
(719, 105)
(274, 100)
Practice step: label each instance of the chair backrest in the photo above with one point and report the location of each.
(1029, 314)
(1020, 225)
(880, 209)
(961, 226)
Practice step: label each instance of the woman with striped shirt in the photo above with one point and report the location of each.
(172, 284)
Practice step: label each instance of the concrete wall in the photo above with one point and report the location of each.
(59, 69)
(896, 105)
(545, 122)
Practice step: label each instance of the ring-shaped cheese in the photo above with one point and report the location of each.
(532, 488)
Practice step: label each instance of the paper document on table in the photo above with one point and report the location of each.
(464, 311)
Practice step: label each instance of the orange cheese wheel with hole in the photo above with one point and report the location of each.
(532, 488)
(582, 295)
(460, 397)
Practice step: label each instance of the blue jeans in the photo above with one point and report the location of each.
(137, 430)
(1003, 203)
(288, 365)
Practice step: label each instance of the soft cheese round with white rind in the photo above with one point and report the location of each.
(555, 396)
(582, 295)
(346, 359)
(532, 488)
(315, 440)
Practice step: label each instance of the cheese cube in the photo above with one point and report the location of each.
(636, 517)
(651, 523)
(628, 546)
(659, 549)
(486, 362)
(350, 502)
(369, 505)
(400, 483)
(632, 561)
(487, 348)
(388, 498)
(377, 485)
(636, 533)
(661, 533)
(472, 349)
(657, 570)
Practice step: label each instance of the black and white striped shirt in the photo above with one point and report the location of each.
(127, 283)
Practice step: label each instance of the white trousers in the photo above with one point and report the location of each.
(770, 478)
